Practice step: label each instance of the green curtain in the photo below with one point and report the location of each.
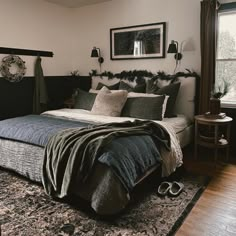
(40, 91)
(209, 22)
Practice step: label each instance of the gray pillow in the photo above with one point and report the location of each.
(84, 100)
(110, 87)
(139, 88)
(144, 107)
(109, 104)
(170, 90)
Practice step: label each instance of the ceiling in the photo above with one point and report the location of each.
(76, 3)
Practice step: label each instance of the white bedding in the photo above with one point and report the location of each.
(171, 160)
(178, 123)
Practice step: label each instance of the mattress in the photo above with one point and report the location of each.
(183, 128)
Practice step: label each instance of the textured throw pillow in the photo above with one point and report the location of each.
(84, 100)
(144, 107)
(104, 79)
(170, 90)
(110, 87)
(134, 95)
(109, 104)
(139, 88)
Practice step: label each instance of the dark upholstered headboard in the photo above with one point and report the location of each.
(16, 99)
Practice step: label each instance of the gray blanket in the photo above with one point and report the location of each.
(35, 129)
(70, 155)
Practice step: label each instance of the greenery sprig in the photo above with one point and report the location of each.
(74, 73)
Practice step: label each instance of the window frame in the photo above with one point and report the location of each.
(228, 8)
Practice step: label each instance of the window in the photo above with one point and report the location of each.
(226, 57)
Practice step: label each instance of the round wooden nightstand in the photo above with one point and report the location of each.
(212, 133)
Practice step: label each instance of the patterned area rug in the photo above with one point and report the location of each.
(26, 210)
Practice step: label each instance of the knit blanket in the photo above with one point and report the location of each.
(71, 154)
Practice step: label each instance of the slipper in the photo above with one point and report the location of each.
(176, 189)
(164, 188)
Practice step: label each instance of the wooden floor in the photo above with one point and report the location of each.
(215, 212)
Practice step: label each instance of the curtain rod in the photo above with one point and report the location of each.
(27, 52)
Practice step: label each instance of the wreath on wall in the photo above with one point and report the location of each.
(8, 63)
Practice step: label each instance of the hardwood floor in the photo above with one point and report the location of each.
(215, 212)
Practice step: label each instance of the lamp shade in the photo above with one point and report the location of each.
(172, 48)
(94, 52)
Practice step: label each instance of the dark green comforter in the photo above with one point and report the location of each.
(71, 154)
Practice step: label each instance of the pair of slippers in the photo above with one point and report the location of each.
(173, 189)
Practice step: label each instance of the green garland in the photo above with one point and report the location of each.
(140, 74)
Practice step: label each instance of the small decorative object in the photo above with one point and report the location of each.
(214, 106)
(216, 95)
(220, 115)
(138, 42)
(13, 68)
(74, 73)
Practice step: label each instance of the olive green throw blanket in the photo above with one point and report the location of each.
(71, 154)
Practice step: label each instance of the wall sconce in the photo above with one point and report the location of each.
(97, 53)
(174, 48)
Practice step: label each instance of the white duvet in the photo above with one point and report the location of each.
(171, 160)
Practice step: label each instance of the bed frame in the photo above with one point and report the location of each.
(185, 100)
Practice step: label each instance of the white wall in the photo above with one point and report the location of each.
(71, 33)
(38, 25)
(92, 25)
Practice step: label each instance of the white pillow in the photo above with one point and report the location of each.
(108, 103)
(97, 91)
(137, 95)
(133, 95)
(164, 106)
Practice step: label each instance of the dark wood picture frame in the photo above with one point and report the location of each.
(138, 41)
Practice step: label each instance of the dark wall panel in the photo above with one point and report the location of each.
(16, 99)
(61, 88)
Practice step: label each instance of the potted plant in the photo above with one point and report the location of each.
(217, 93)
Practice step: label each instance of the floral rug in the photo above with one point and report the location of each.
(26, 210)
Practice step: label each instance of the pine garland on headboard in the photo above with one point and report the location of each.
(140, 74)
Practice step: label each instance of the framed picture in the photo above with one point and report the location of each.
(138, 42)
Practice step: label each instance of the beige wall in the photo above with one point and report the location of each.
(92, 24)
(37, 25)
(71, 33)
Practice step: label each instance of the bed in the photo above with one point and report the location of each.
(103, 188)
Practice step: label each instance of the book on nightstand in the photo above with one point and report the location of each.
(215, 116)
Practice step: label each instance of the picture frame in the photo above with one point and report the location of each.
(138, 41)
